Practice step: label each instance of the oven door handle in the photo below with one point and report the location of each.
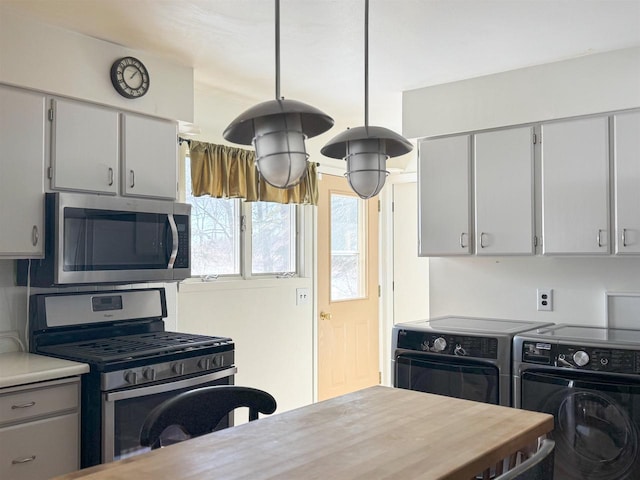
(169, 387)
(174, 240)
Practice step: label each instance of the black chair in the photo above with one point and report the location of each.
(199, 411)
(537, 467)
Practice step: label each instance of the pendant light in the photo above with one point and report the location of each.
(278, 129)
(366, 149)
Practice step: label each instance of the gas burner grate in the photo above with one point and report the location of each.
(134, 346)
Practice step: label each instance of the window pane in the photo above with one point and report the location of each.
(347, 247)
(273, 235)
(215, 233)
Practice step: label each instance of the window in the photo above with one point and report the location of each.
(348, 236)
(230, 237)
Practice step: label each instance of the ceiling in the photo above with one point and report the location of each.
(412, 43)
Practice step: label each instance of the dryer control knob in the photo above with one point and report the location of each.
(439, 344)
(581, 358)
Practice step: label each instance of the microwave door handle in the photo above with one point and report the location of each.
(174, 240)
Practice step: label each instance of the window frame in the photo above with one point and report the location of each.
(245, 238)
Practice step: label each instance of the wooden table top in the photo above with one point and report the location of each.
(375, 433)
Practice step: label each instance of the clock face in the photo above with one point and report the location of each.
(129, 77)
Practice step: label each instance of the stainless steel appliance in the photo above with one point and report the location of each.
(135, 364)
(93, 239)
(588, 378)
(459, 357)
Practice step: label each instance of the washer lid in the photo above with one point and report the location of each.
(583, 333)
(471, 324)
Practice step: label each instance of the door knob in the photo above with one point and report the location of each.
(325, 316)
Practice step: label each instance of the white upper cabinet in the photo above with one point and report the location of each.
(85, 144)
(444, 208)
(626, 141)
(504, 219)
(149, 157)
(22, 159)
(575, 193)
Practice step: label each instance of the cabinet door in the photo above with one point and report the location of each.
(84, 148)
(626, 137)
(22, 161)
(150, 157)
(575, 193)
(40, 449)
(443, 196)
(504, 192)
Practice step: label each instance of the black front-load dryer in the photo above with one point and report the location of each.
(588, 378)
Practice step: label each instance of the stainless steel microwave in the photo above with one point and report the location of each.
(94, 239)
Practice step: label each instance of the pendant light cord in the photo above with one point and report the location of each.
(277, 49)
(366, 63)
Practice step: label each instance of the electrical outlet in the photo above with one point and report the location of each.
(302, 296)
(544, 299)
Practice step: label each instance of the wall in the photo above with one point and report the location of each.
(506, 287)
(275, 339)
(591, 84)
(50, 59)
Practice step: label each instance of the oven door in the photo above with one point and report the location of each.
(451, 376)
(596, 422)
(124, 411)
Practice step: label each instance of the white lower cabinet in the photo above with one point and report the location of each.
(39, 429)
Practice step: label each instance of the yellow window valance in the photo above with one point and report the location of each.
(229, 172)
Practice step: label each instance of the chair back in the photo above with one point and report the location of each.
(537, 467)
(199, 411)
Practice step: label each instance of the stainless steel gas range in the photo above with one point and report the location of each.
(135, 364)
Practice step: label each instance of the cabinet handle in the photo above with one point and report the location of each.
(599, 237)
(482, 235)
(462, 245)
(133, 178)
(23, 405)
(35, 236)
(18, 461)
(624, 237)
(325, 316)
(110, 176)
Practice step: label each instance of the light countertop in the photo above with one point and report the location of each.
(376, 433)
(19, 368)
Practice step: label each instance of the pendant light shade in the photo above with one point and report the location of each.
(277, 129)
(367, 149)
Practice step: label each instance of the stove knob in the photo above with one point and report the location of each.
(149, 374)
(439, 344)
(178, 368)
(131, 377)
(203, 363)
(218, 361)
(581, 358)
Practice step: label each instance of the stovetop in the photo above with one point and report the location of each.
(130, 347)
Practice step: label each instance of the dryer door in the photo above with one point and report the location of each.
(450, 376)
(597, 422)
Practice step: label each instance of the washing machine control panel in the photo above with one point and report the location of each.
(582, 357)
(449, 344)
